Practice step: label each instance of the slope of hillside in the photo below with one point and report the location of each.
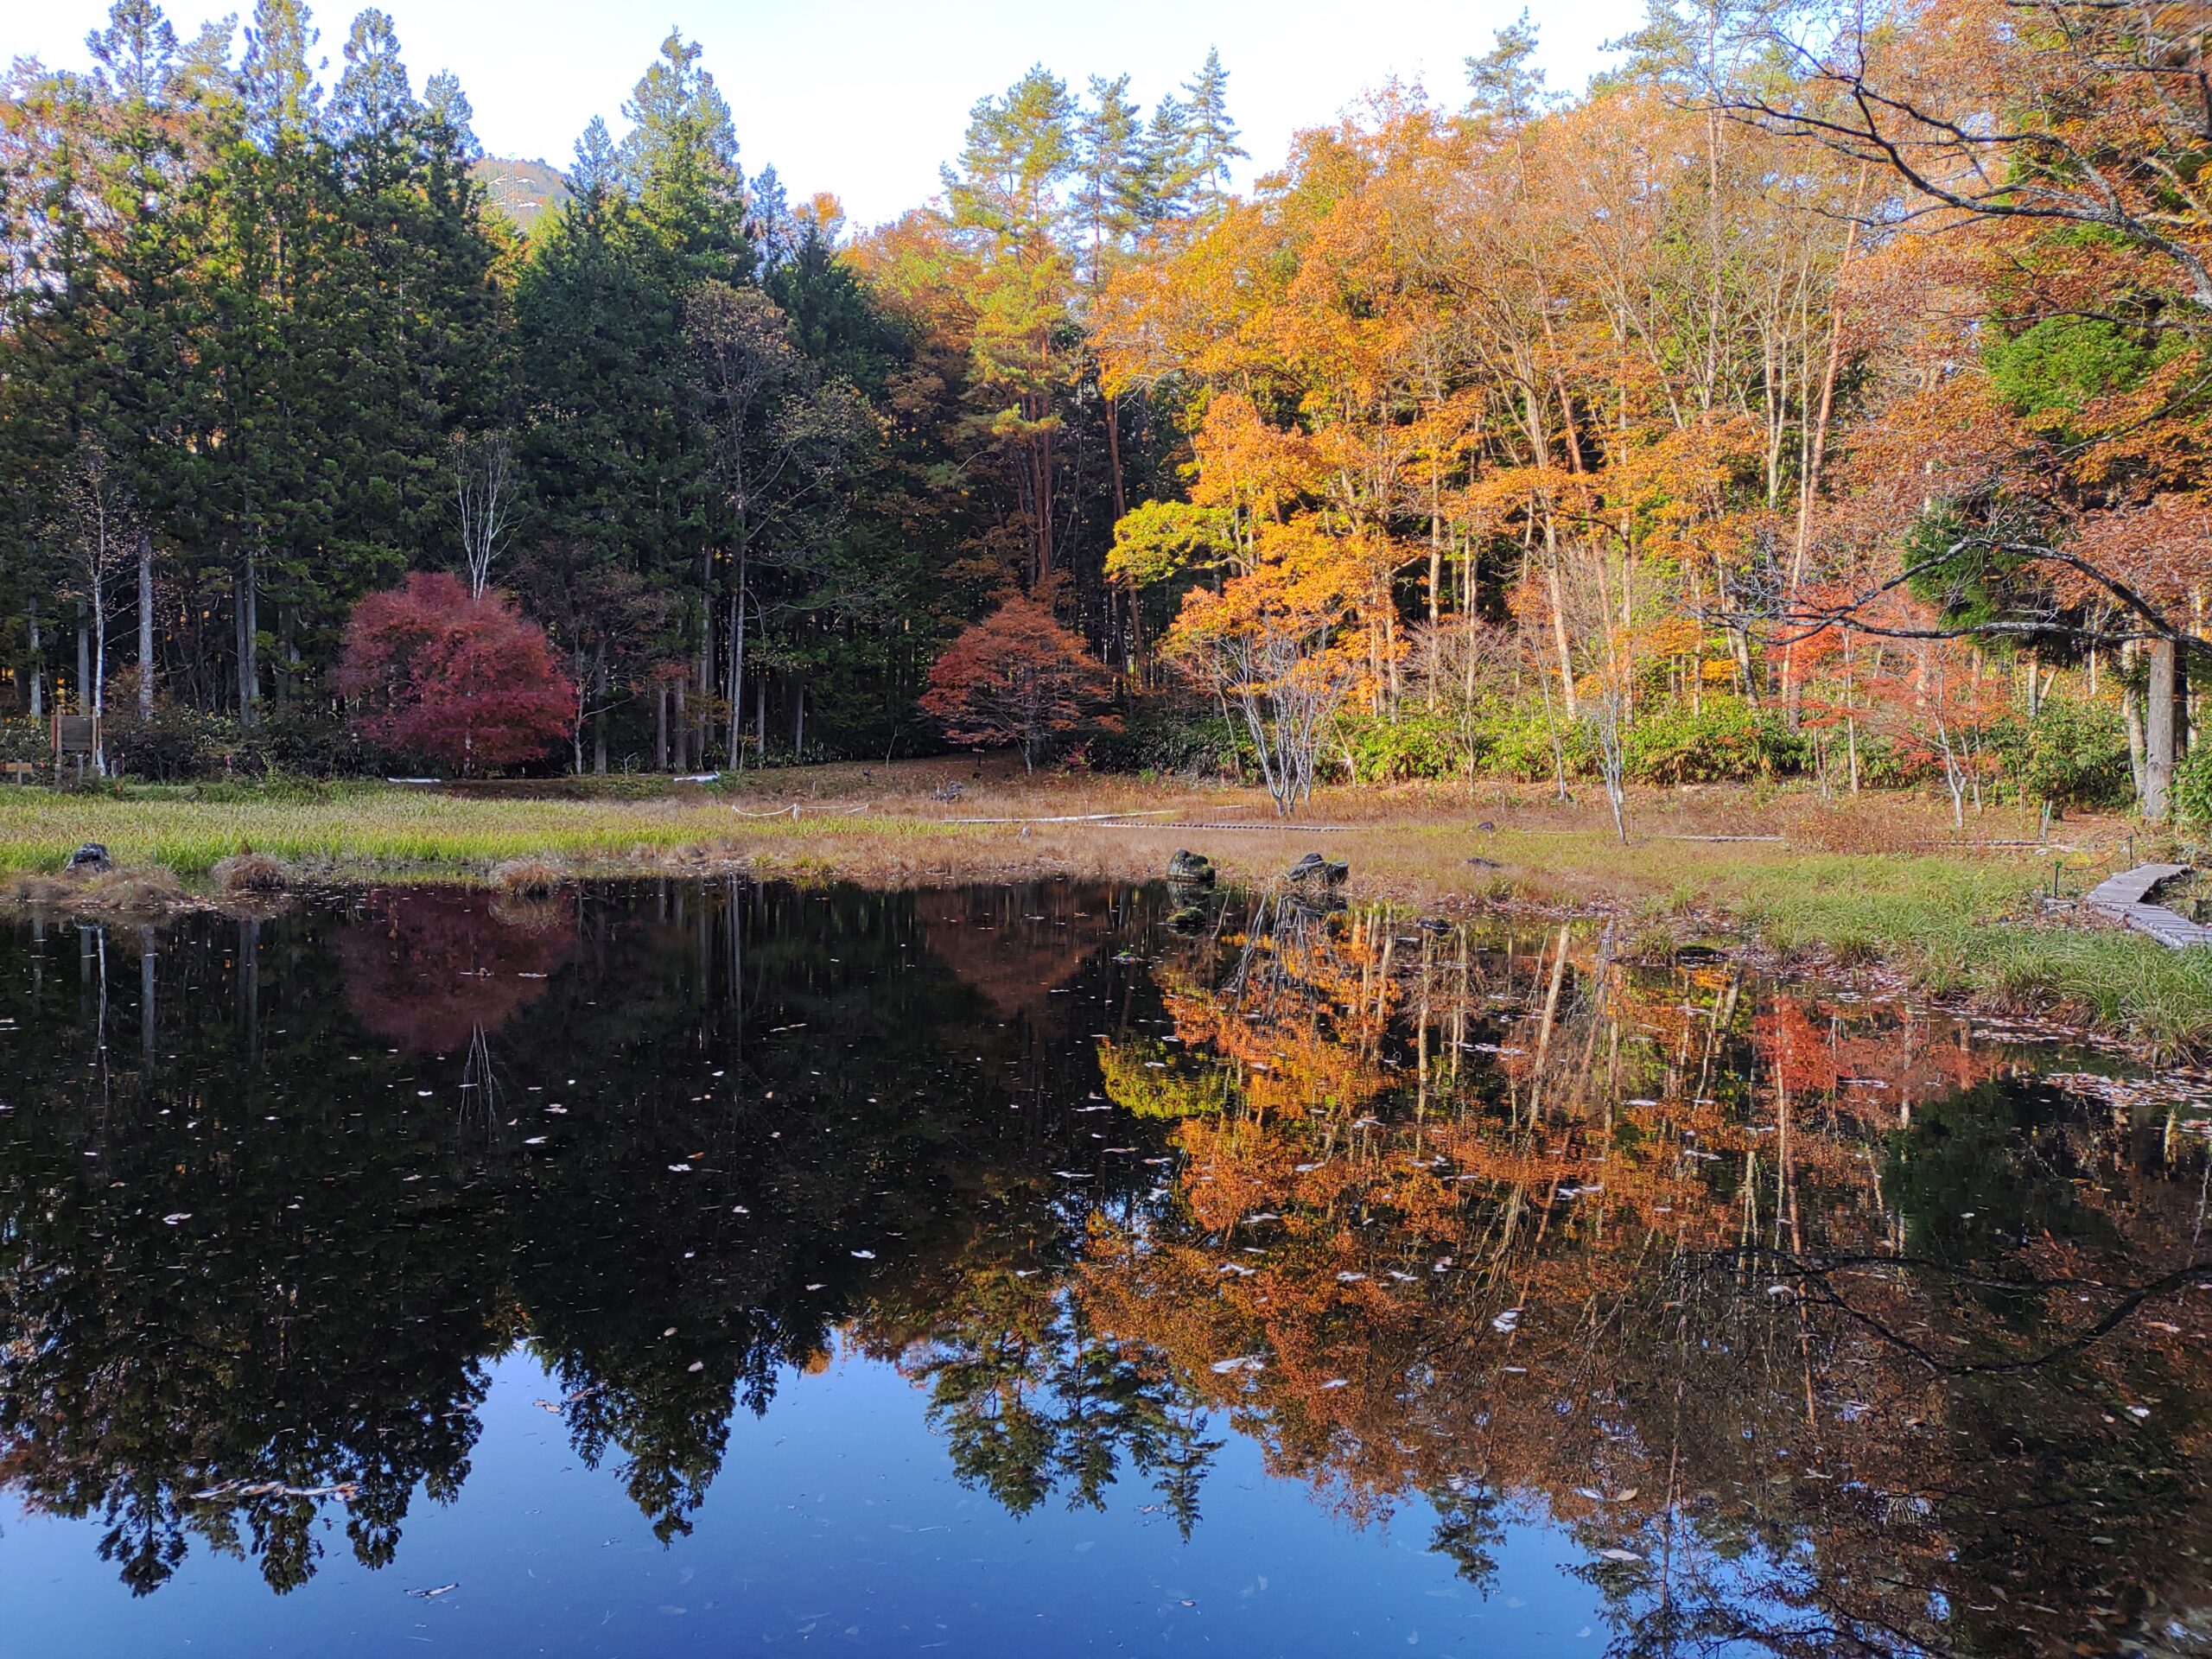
(528, 192)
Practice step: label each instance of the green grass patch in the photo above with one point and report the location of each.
(1963, 927)
(378, 826)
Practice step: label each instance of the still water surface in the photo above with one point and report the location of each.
(708, 1268)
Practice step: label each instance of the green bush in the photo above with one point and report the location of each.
(180, 745)
(313, 741)
(1726, 741)
(2192, 791)
(171, 745)
(2074, 753)
(1517, 742)
(1884, 763)
(1418, 747)
(1163, 733)
(26, 739)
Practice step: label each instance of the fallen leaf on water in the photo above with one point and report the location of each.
(1619, 1555)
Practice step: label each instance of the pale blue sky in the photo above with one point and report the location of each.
(867, 97)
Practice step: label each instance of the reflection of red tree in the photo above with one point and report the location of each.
(427, 966)
(1015, 945)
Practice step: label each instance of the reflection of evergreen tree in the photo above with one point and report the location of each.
(233, 1344)
(1034, 1403)
(347, 1255)
(1469, 1529)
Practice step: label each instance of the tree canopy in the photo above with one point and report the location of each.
(1804, 360)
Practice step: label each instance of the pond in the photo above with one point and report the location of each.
(708, 1267)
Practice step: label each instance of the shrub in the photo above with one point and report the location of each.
(1726, 741)
(313, 739)
(2074, 753)
(1419, 747)
(25, 740)
(2192, 791)
(177, 745)
(1517, 742)
(460, 680)
(171, 745)
(1171, 733)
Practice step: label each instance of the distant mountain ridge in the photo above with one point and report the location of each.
(528, 192)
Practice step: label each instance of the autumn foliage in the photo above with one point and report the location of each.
(468, 683)
(1018, 679)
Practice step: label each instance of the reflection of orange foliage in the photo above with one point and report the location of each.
(1016, 945)
(426, 967)
(1588, 1296)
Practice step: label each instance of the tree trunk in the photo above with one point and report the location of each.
(2159, 746)
(38, 667)
(1559, 631)
(1138, 667)
(737, 667)
(243, 612)
(145, 624)
(660, 727)
(2131, 713)
(598, 728)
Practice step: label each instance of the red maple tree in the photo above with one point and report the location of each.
(465, 680)
(1018, 680)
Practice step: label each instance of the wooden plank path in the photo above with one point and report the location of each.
(2124, 897)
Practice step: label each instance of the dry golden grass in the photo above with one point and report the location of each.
(1849, 882)
(529, 877)
(1421, 845)
(250, 872)
(123, 891)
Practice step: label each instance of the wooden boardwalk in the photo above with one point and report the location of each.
(2124, 897)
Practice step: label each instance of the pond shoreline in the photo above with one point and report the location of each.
(1790, 881)
(1717, 938)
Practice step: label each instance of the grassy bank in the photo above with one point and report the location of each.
(1958, 928)
(1885, 879)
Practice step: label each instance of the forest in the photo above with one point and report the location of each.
(1819, 394)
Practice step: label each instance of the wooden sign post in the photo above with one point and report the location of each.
(77, 734)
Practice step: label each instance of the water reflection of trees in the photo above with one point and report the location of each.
(432, 969)
(1819, 1325)
(258, 1265)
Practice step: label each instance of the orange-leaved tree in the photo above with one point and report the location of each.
(1266, 646)
(1018, 680)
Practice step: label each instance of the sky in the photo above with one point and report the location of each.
(866, 97)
